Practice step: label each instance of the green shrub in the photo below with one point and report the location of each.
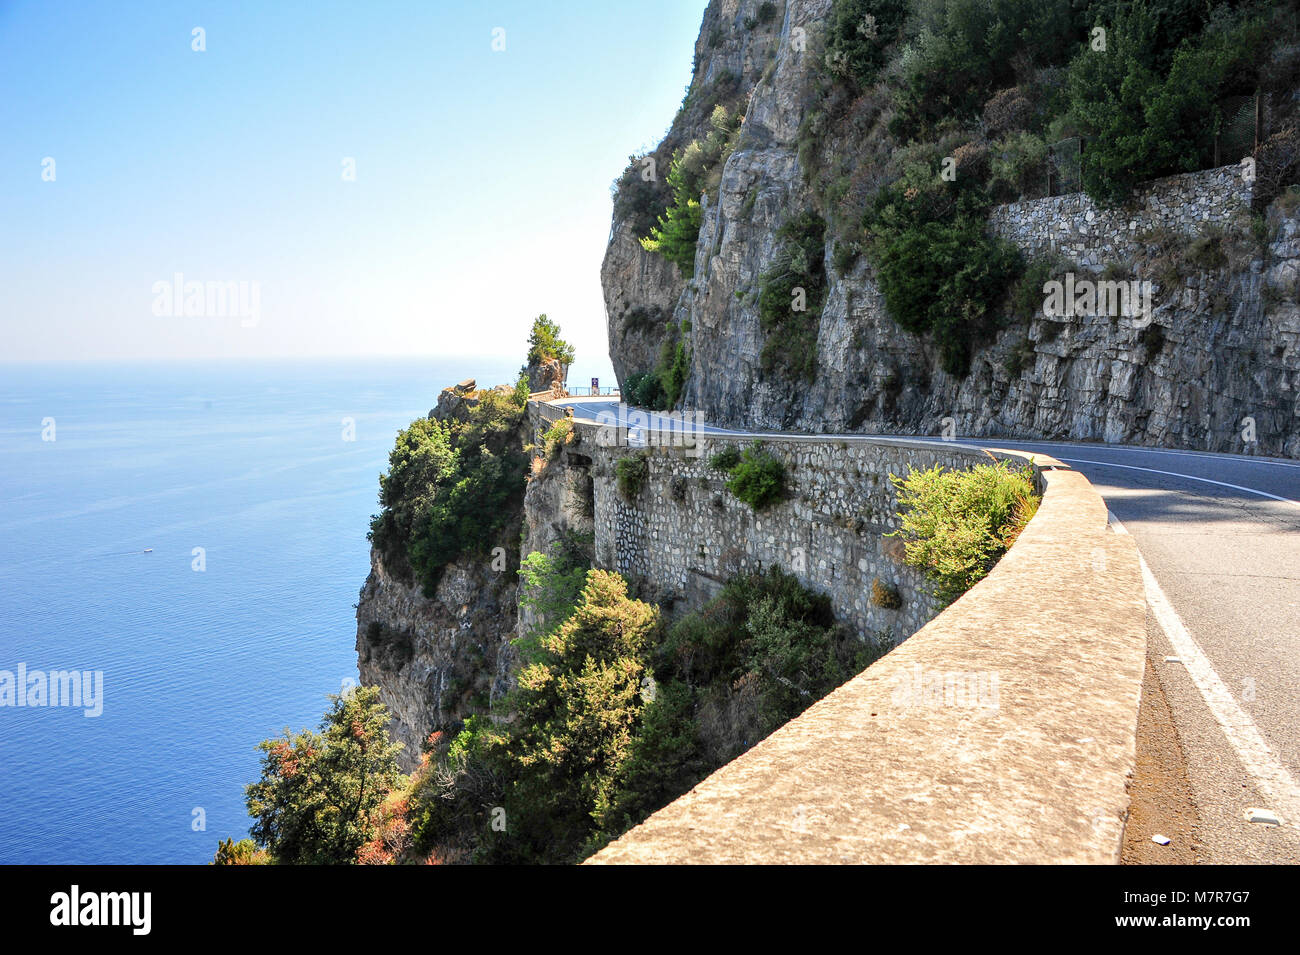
(694, 170)
(956, 525)
(674, 366)
(631, 473)
(758, 478)
(450, 489)
(964, 50)
(549, 584)
(678, 229)
(1152, 339)
(645, 390)
(726, 459)
(556, 437)
(520, 395)
(643, 318)
(559, 768)
(938, 270)
(545, 344)
(791, 296)
(859, 36)
(639, 198)
(1019, 357)
(1144, 103)
(1205, 252)
(314, 802)
(1025, 301)
(243, 852)
(1018, 167)
(766, 634)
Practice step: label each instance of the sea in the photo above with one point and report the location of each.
(191, 538)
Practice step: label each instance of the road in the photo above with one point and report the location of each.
(1219, 536)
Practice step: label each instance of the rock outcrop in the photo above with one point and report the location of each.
(1217, 369)
(438, 658)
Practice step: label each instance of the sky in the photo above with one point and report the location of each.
(351, 178)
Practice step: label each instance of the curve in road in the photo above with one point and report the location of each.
(1219, 537)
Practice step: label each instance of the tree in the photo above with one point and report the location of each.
(316, 800)
(545, 344)
(1146, 102)
(679, 227)
(555, 770)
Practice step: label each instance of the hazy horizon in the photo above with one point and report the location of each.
(332, 184)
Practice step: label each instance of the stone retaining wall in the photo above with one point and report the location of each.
(1004, 731)
(1077, 229)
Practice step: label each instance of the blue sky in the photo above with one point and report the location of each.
(481, 192)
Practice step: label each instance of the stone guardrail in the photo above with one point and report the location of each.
(1003, 731)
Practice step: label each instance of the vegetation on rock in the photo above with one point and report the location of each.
(955, 525)
(756, 476)
(319, 790)
(451, 487)
(792, 292)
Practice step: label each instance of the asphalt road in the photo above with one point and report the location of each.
(1220, 537)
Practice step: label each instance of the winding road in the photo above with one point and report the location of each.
(1219, 537)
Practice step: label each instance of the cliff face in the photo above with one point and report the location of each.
(442, 657)
(438, 659)
(642, 289)
(1221, 350)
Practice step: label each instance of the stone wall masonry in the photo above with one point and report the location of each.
(1076, 228)
(1003, 732)
(685, 534)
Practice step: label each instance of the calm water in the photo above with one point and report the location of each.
(245, 460)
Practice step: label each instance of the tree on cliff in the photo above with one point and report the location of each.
(545, 343)
(316, 800)
(591, 742)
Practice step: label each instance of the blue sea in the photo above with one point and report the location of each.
(271, 469)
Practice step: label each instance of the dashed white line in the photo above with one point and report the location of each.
(1271, 777)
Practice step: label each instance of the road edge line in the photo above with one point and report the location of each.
(1265, 769)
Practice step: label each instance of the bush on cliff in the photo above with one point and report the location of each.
(550, 583)
(631, 473)
(1145, 103)
(695, 171)
(315, 801)
(557, 767)
(859, 35)
(756, 656)
(451, 487)
(938, 270)
(790, 299)
(957, 524)
(755, 476)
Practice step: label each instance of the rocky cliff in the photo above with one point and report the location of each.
(1217, 367)
(442, 656)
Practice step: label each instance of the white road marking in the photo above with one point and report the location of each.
(1189, 477)
(1270, 776)
(1205, 455)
